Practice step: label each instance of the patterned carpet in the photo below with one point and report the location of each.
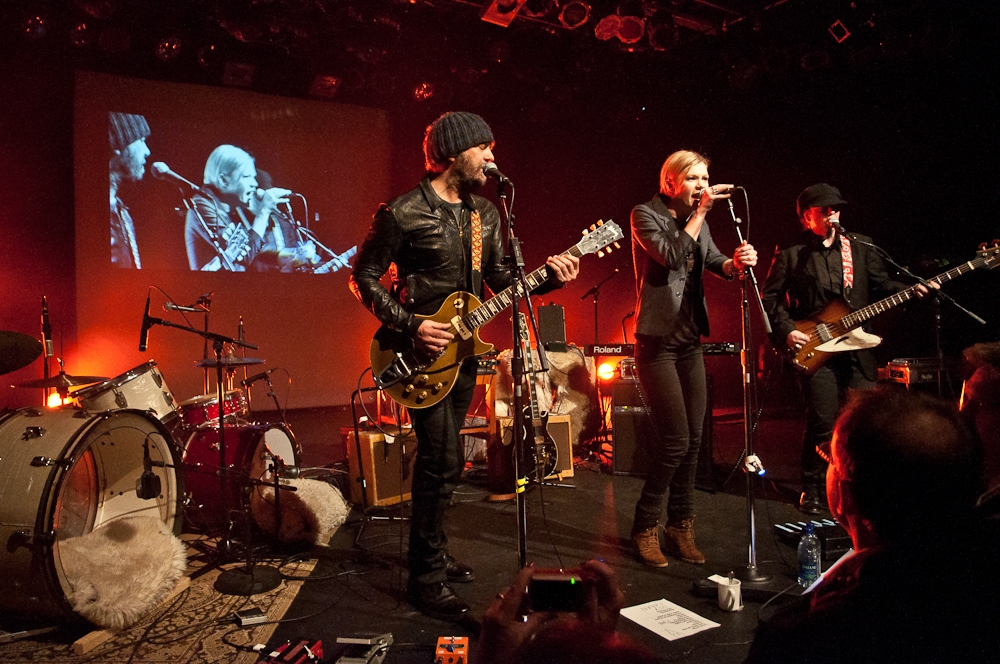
(194, 627)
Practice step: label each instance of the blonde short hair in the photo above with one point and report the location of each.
(676, 166)
(225, 160)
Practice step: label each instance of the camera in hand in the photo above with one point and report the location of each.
(557, 590)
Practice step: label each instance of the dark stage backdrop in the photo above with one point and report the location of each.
(336, 156)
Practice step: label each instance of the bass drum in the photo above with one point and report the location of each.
(141, 388)
(63, 474)
(251, 451)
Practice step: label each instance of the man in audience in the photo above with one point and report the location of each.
(920, 585)
(981, 406)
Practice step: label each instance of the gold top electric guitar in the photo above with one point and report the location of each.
(415, 380)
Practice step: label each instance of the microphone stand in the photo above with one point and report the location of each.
(596, 292)
(237, 581)
(751, 573)
(515, 262)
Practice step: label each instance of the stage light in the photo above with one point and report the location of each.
(55, 400)
(631, 29)
(839, 31)
(168, 48)
(501, 12)
(539, 8)
(81, 35)
(208, 55)
(574, 14)
(34, 27)
(662, 30)
(606, 371)
(423, 91)
(607, 27)
(325, 86)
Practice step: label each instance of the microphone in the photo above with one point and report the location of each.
(147, 486)
(254, 378)
(161, 171)
(490, 170)
(196, 308)
(46, 329)
(146, 324)
(728, 190)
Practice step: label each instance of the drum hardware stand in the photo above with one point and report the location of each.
(366, 516)
(240, 581)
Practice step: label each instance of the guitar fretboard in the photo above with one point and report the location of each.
(856, 318)
(491, 307)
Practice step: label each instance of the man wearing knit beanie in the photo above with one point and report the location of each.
(429, 234)
(127, 135)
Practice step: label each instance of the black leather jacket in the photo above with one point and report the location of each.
(431, 249)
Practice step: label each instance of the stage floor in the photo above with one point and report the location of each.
(361, 589)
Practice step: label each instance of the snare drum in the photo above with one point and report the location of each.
(251, 450)
(204, 408)
(141, 388)
(63, 474)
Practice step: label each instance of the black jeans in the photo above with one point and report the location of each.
(824, 392)
(675, 396)
(439, 464)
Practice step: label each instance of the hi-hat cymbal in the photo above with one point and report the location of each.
(63, 380)
(17, 351)
(229, 362)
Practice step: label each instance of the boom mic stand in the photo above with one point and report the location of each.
(237, 581)
(752, 465)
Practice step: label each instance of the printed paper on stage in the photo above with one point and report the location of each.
(665, 618)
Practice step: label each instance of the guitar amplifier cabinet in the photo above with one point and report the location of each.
(381, 464)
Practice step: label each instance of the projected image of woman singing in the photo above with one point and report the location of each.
(671, 248)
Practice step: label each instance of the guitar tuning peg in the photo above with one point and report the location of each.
(600, 222)
(600, 254)
(982, 245)
(996, 243)
(608, 249)
(593, 227)
(585, 231)
(617, 246)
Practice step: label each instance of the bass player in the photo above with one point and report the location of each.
(439, 238)
(820, 266)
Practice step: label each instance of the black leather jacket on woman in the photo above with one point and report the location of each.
(431, 250)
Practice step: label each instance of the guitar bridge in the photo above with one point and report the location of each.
(397, 371)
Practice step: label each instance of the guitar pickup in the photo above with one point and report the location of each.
(460, 328)
(824, 332)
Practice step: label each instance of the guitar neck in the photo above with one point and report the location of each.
(859, 317)
(491, 307)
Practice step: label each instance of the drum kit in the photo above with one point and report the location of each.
(121, 447)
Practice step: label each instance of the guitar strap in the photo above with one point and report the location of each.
(477, 253)
(848, 263)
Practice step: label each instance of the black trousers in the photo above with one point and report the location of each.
(438, 467)
(825, 392)
(675, 395)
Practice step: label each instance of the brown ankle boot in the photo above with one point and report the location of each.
(647, 545)
(679, 541)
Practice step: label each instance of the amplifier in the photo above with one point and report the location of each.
(388, 469)
(916, 370)
(722, 348)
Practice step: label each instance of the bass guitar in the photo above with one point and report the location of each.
(836, 328)
(415, 380)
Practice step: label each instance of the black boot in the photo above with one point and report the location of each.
(458, 572)
(438, 600)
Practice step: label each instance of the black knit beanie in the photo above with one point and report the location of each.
(125, 129)
(452, 134)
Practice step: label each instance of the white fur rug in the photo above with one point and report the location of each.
(122, 570)
(312, 513)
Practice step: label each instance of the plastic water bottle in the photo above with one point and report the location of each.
(810, 554)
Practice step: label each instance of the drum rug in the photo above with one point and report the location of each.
(122, 570)
(311, 513)
(194, 627)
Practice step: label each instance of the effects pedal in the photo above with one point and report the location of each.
(365, 649)
(305, 651)
(452, 650)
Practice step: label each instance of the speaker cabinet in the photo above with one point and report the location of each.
(552, 327)
(381, 463)
(499, 455)
(632, 430)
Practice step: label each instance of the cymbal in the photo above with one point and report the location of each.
(229, 362)
(63, 380)
(17, 351)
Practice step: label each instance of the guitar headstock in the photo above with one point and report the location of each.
(990, 253)
(600, 237)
